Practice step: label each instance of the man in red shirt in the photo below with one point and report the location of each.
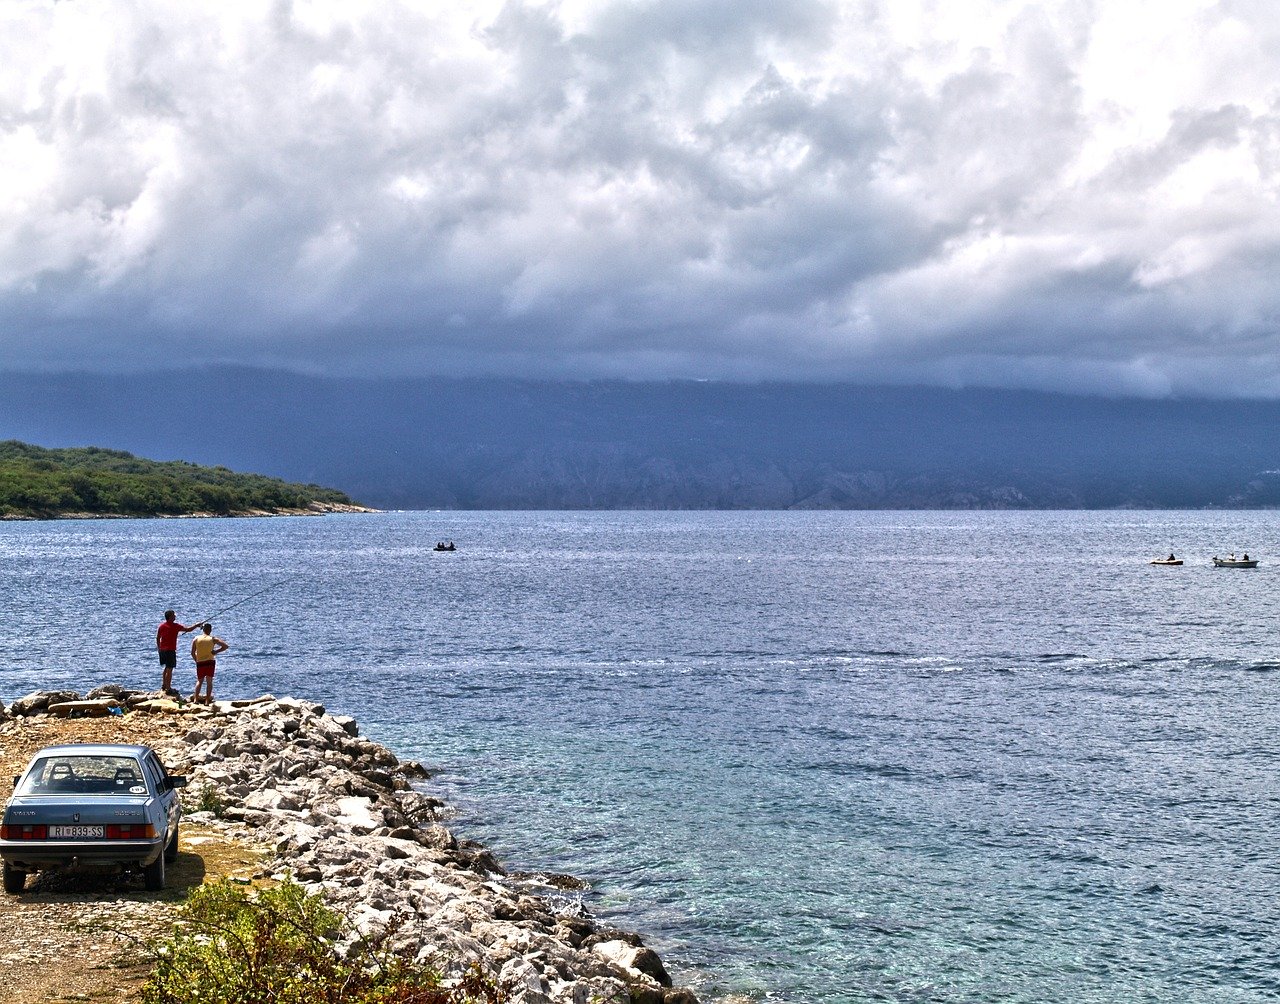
(167, 646)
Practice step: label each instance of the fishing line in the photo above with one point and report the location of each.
(265, 589)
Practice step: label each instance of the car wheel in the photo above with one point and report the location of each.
(171, 848)
(15, 880)
(153, 874)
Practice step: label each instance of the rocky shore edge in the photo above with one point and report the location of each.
(347, 818)
(310, 509)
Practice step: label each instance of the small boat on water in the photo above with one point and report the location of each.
(1231, 561)
(442, 546)
(1171, 560)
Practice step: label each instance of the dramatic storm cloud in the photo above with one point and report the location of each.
(1079, 195)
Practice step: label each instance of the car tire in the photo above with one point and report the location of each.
(171, 848)
(15, 880)
(153, 874)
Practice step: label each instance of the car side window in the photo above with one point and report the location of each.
(155, 773)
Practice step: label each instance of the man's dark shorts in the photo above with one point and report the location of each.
(169, 659)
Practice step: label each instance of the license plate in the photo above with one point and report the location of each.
(75, 831)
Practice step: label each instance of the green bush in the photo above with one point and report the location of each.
(284, 945)
(205, 798)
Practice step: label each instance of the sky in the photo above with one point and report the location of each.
(1076, 196)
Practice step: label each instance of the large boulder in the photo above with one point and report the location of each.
(38, 702)
(636, 960)
(163, 705)
(109, 690)
(437, 836)
(526, 985)
(347, 724)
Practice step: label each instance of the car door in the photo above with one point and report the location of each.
(174, 805)
(166, 796)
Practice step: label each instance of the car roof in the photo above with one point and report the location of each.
(94, 749)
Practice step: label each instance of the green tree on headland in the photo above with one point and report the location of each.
(41, 483)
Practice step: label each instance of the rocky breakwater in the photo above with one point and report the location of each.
(346, 817)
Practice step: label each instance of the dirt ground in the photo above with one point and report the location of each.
(87, 937)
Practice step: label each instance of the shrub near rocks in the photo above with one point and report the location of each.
(287, 946)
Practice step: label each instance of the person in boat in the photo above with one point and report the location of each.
(1171, 557)
(1246, 556)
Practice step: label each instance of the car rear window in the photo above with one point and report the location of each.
(78, 774)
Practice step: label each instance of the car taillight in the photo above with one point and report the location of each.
(24, 831)
(131, 831)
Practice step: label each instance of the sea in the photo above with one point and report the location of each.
(814, 757)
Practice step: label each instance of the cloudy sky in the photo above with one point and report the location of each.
(1071, 195)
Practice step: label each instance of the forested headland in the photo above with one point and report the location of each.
(40, 483)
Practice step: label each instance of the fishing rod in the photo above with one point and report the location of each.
(265, 589)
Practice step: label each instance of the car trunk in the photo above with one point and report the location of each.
(72, 809)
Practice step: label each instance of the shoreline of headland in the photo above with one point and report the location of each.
(344, 816)
(312, 509)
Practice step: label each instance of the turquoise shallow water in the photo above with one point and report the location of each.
(816, 757)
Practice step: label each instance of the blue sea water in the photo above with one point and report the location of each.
(814, 757)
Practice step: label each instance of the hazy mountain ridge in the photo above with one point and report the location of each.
(474, 443)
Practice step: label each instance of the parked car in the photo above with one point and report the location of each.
(102, 807)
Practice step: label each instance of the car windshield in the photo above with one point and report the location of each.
(77, 774)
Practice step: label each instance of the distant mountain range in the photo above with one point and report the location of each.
(504, 444)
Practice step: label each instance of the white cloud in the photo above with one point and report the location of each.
(998, 192)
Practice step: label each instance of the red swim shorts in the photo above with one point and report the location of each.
(205, 669)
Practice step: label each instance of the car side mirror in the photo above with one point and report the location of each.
(172, 782)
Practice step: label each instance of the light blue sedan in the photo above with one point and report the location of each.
(102, 807)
